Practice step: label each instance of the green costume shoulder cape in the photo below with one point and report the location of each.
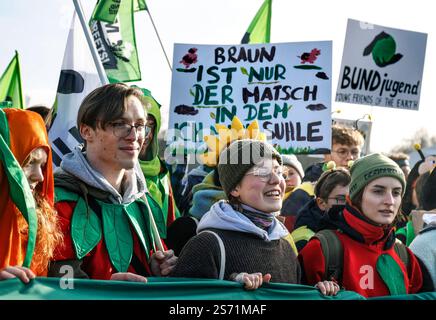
(94, 217)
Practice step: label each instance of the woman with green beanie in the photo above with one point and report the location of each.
(240, 239)
(362, 254)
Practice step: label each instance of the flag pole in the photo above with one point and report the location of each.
(156, 236)
(86, 31)
(157, 34)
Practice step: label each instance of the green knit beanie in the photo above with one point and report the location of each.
(239, 157)
(371, 167)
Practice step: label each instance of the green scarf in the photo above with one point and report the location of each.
(150, 168)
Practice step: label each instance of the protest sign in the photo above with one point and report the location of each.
(381, 66)
(286, 87)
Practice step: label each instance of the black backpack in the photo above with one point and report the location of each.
(334, 254)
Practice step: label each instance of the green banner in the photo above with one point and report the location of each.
(10, 85)
(171, 289)
(157, 289)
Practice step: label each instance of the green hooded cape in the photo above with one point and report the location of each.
(157, 175)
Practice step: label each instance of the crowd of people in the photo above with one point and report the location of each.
(114, 210)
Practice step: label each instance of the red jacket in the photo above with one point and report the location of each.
(96, 264)
(363, 243)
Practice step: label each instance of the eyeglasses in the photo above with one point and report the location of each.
(343, 153)
(265, 174)
(338, 199)
(148, 129)
(122, 130)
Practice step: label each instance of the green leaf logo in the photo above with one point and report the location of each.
(383, 48)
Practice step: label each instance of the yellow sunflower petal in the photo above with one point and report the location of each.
(212, 142)
(225, 136)
(219, 127)
(237, 124)
(252, 130)
(209, 158)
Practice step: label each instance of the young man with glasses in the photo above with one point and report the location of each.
(347, 144)
(155, 172)
(101, 193)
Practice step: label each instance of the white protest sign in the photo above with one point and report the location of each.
(286, 87)
(381, 66)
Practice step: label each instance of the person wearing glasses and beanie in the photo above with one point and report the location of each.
(360, 242)
(330, 190)
(100, 192)
(240, 238)
(157, 176)
(347, 144)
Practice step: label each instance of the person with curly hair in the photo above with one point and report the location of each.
(24, 140)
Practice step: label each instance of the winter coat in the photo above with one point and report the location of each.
(104, 232)
(299, 197)
(307, 223)
(371, 266)
(424, 247)
(247, 248)
(205, 194)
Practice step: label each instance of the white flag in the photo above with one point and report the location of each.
(78, 78)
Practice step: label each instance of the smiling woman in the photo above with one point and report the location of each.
(241, 239)
(244, 230)
(372, 264)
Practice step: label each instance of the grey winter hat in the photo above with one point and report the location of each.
(292, 161)
(239, 157)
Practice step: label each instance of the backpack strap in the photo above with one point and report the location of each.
(222, 253)
(401, 251)
(333, 253)
(302, 233)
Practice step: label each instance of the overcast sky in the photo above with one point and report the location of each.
(39, 29)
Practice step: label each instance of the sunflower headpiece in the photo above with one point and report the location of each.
(225, 136)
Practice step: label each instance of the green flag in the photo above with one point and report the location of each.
(139, 5)
(260, 27)
(116, 42)
(10, 85)
(107, 10)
